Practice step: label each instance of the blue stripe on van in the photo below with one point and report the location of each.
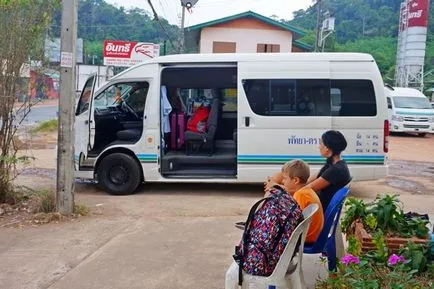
(312, 159)
(147, 158)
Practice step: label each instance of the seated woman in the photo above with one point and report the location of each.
(334, 174)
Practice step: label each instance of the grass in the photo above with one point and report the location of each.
(46, 202)
(46, 126)
(81, 210)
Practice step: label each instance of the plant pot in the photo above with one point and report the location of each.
(393, 243)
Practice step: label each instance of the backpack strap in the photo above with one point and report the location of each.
(238, 256)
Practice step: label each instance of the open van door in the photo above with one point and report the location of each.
(84, 120)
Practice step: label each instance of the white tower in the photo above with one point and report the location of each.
(412, 43)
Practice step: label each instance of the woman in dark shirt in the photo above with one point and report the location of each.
(334, 174)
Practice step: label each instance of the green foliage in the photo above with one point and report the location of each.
(354, 246)
(354, 209)
(417, 255)
(387, 212)
(381, 252)
(99, 21)
(379, 269)
(368, 26)
(384, 215)
(46, 126)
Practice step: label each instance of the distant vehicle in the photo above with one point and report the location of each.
(409, 111)
(265, 109)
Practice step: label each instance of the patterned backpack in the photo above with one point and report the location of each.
(266, 233)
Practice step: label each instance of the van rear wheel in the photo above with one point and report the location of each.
(422, 134)
(119, 174)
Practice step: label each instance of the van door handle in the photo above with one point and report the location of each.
(247, 121)
(86, 122)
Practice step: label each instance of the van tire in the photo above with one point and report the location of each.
(118, 174)
(422, 134)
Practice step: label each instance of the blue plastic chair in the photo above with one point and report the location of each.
(327, 241)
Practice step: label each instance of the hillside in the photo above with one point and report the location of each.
(369, 26)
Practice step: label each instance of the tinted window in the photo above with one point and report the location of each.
(389, 103)
(288, 97)
(357, 98)
(83, 103)
(412, 102)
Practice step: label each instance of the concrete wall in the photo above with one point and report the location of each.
(247, 33)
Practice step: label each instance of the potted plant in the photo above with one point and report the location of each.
(384, 215)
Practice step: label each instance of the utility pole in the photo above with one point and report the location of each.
(318, 23)
(66, 135)
(181, 46)
(185, 4)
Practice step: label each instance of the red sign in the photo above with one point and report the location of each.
(418, 13)
(127, 53)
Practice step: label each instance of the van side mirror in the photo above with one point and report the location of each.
(389, 106)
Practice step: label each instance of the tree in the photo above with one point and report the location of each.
(23, 23)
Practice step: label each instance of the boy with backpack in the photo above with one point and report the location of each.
(293, 179)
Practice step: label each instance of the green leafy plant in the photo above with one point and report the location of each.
(355, 209)
(387, 212)
(385, 215)
(354, 246)
(417, 255)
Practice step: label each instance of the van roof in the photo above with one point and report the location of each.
(251, 57)
(405, 91)
(235, 57)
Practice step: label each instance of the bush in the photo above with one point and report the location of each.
(46, 126)
(46, 202)
(384, 215)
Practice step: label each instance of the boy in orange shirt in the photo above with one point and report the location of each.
(293, 179)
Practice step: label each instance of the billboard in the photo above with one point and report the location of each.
(52, 50)
(127, 53)
(418, 13)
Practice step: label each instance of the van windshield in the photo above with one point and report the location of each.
(411, 102)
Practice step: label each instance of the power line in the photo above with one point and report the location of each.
(159, 22)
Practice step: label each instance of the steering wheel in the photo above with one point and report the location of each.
(128, 108)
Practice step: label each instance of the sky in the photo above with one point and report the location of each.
(207, 10)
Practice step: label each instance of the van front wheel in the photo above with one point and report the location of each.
(118, 174)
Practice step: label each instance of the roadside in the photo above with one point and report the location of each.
(167, 235)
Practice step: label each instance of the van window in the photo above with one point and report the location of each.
(133, 93)
(288, 97)
(83, 103)
(353, 98)
(389, 103)
(411, 102)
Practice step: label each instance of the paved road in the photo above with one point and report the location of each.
(39, 114)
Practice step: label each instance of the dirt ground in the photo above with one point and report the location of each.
(169, 235)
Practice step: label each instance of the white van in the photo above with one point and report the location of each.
(264, 109)
(409, 111)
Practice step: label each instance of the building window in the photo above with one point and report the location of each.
(224, 47)
(271, 48)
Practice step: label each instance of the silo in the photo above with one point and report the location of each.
(415, 43)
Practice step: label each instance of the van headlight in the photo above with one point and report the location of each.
(431, 119)
(397, 118)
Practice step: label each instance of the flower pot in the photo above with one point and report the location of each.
(393, 243)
